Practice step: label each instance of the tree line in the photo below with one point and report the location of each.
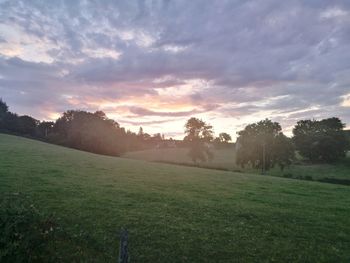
(261, 145)
(92, 132)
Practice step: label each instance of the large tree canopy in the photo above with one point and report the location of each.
(12, 123)
(262, 145)
(92, 132)
(323, 140)
(198, 135)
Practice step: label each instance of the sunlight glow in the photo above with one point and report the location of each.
(346, 101)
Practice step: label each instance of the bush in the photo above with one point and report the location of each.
(288, 175)
(308, 177)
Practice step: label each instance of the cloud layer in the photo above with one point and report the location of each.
(157, 63)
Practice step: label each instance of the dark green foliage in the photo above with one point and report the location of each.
(322, 140)
(26, 235)
(262, 145)
(347, 134)
(283, 151)
(30, 235)
(27, 125)
(3, 108)
(92, 132)
(198, 135)
(9, 122)
(12, 123)
(21, 125)
(45, 128)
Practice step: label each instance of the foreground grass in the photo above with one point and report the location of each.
(224, 159)
(175, 213)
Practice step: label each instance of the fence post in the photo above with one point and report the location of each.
(123, 246)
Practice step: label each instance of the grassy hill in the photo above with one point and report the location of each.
(224, 159)
(176, 213)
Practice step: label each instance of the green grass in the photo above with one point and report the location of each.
(225, 159)
(338, 170)
(176, 213)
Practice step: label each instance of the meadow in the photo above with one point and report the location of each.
(224, 159)
(175, 213)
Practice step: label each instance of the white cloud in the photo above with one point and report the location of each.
(346, 100)
(333, 12)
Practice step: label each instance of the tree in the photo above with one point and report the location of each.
(27, 125)
(156, 138)
(222, 140)
(45, 128)
(140, 133)
(263, 145)
(92, 132)
(9, 122)
(224, 137)
(198, 136)
(284, 151)
(3, 112)
(3, 108)
(323, 140)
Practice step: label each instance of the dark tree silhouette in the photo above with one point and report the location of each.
(3, 115)
(9, 123)
(262, 145)
(323, 140)
(45, 128)
(198, 136)
(27, 125)
(92, 132)
(3, 108)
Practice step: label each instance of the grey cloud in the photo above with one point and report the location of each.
(247, 50)
(145, 112)
(140, 123)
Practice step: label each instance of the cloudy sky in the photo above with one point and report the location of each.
(157, 63)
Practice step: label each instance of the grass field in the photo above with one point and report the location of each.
(176, 213)
(225, 159)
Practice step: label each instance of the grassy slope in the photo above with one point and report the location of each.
(225, 159)
(179, 214)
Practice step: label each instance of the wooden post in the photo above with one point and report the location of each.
(123, 247)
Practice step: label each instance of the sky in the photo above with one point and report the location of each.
(155, 63)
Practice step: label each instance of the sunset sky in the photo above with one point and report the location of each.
(157, 63)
